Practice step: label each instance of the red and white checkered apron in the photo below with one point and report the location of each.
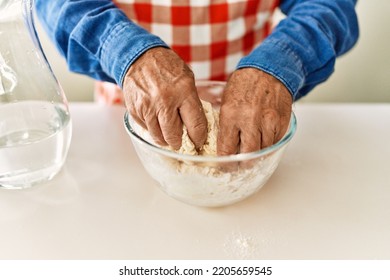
(210, 35)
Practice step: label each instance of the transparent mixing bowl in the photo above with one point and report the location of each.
(209, 181)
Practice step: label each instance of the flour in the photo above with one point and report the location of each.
(241, 246)
(206, 183)
(250, 244)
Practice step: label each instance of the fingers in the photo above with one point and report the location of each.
(228, 137)
(250, 140)
(227, 142)
(269, 127)
(137, 119)
(165, 129)
(246, 137)
(149, 123)
(194, 119)
(171, 127)
(284, 124)
(154, 129)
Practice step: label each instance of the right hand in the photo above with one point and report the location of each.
(160, 94)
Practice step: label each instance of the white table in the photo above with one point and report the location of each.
(328, 199)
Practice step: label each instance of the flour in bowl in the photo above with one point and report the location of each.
(205, 183)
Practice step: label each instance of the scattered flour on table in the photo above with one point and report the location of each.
(205, 183)
(239, 244)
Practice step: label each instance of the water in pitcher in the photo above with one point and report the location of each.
(35, 126)
(34, 138)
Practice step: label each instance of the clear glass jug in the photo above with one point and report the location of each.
(35, 125)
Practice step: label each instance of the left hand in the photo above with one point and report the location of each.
(255, 112)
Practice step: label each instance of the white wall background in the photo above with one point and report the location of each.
(362, 75)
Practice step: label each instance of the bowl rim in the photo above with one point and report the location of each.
(228, 158)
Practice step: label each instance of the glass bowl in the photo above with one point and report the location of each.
(208, 181)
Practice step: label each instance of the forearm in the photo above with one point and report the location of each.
(95, 37)
(302, 49)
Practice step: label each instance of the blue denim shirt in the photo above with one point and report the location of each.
(97, 39)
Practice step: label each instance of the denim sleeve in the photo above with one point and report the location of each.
(95, 37)
(302, 49)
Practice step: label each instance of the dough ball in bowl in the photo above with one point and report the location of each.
(201, 177)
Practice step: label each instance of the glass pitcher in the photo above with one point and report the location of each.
(35, 125)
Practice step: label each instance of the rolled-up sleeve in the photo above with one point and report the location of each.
(302, 49)
(95, 37)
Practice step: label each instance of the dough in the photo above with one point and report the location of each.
(210, 146)
(205, 183)
(187, 147)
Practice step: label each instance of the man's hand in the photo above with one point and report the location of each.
(255, 112)
(160, 95)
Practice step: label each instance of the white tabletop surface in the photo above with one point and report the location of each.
(328, 199)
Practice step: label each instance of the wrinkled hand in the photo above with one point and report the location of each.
(255, 112)
(161, 96)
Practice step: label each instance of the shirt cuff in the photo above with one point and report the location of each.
(127, 42)
(279, 60)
